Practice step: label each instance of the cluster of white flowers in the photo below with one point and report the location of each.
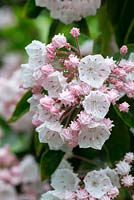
(68, 11)
(72, 95)
(103, 184)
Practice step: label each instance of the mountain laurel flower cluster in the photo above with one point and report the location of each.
(15, 173)
(69, 11)
(103, 184)
(72, 95)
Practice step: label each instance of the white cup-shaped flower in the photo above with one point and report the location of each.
(93, 137)
(94, 70)
(51, 133)
(97, 183)
(96, 104)
(35, 49)
(64, 179)
(112, 174)
(54, 83)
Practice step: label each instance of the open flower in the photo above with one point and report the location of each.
(94, 70)
(96, 104)
(51, 133)
(97, 184)
(93, 137)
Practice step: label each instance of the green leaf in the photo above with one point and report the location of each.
(39, 147)
(122, 18)
(49, 162)
(31, 10)
(97, 45)
(4, 125)
(103, 42)
(22, 107)
(119, 142)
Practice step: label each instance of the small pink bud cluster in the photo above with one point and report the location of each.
(123, 168)
(122, 80)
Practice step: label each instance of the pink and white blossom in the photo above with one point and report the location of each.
(123, 168)
(68, 11)
(94, 70)
(96, 104)
(127, 180)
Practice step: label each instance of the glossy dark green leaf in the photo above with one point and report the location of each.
(119, 142)
(49, 162)
(4, 125)
(122, 18)
(103, 42)
(31, 10)
(38, 146)
(21, 108)
(97, 45)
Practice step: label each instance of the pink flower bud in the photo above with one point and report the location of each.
(124, 107)
(59, 41)
(113, 193)
(123, 50)
(123, 168)
(129, 157)
(127, 181)
(36, 121)
(47, 69)
(50, 52)
(109, 123)
(67, 46)
(76, 90)
(47, 102)
(75, 32)
(75, 126)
